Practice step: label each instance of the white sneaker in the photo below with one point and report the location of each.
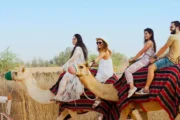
(131, 92)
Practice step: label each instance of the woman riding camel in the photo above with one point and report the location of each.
(148, 50)
(105, 67)
(70, 88)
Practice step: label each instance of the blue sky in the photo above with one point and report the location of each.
(43, 28)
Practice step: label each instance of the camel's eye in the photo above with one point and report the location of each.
(15, 73)
(81, 67)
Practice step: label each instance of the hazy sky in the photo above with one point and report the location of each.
(43, 28)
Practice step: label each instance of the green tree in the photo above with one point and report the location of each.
(91, 57)
(28, 64)
(62, 57)
(8, 60)
(118, 58)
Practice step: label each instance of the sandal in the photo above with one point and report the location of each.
(142, 92)
(96, 103)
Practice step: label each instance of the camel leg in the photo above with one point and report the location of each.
(63, 115)
(124, 113)
(144, 115)
(73, 114)
(136, 115)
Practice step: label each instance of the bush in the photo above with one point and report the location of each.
(8, 60)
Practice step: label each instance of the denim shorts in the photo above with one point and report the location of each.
(162, 63)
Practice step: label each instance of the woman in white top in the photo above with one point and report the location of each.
(70, 88)
(105, 67)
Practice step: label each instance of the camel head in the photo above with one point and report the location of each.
(83, 73)
(79, 70)
(18, 75)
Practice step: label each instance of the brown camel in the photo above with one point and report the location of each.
(109, 92)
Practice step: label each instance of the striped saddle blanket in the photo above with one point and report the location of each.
(165, 89)
(109, 109)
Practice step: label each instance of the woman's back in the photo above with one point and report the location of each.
(105, 69)
(79, 56)
(150, 52)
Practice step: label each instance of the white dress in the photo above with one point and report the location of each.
(70, 87)
(105, 70)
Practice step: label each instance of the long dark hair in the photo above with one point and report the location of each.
(150, 31)
(80, 44)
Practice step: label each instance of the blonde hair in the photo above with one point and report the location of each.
(104, 47)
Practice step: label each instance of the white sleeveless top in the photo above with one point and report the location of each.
(105, 70)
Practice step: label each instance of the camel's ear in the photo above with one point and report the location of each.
(86, 64)
(23, 68)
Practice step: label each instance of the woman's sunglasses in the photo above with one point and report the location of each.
(98, 43)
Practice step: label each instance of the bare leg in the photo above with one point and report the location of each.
(150, 76)
(131, 84)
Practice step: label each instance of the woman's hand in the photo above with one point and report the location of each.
(152, 60)
(92, 63)
(131, 60)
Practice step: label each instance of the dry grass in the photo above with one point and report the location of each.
(24, 108)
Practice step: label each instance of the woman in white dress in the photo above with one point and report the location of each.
(70, 88)
(105, 67)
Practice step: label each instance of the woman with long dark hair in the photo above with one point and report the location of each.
(148, 50)
(70, 88)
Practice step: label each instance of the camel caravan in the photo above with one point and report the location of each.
(151, 82)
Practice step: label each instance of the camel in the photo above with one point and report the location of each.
(85, 76)
(109, 92)
(39, 95)
(44, 96)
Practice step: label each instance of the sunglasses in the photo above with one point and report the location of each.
(99, 43)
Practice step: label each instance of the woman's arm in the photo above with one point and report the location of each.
(101, 55)
(143, 50)
(95, 65)
(94, 62)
